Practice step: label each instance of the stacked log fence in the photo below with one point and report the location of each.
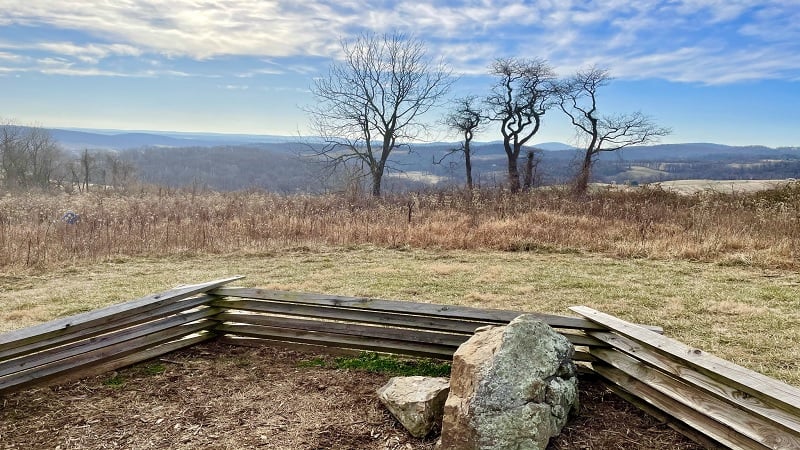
(714, 402)
(107, 338)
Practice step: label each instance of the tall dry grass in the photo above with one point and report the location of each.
(760, 229)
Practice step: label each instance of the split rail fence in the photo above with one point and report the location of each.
(712, 401)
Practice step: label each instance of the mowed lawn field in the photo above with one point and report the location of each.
(746, 314)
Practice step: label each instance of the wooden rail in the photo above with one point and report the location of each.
(730, 406)
(107, 338)
(408, 328)
(712, 401)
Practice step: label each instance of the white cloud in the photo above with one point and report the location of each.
(13, 57)
(89, 53)
(644, 38)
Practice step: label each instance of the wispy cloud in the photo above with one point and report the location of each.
(89, 53)
(680, 40)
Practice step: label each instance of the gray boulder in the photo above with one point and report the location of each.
(416, 402)
(511, 387)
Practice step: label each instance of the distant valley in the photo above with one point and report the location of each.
(281, 163)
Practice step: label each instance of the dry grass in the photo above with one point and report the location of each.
(754, 229)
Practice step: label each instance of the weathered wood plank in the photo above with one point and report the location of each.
(105, 315)
(582, 355)
(493, 316)
(711, 428)
(453, 339)
(133, 358)
(739, 420)
(247, 341)
(338, 340)
(737, 398)
(311, 348)
(55, 369)
(466, 327)
(76, 348)
(680, 427)
(403, 334)
(769, 390)
(120, 322)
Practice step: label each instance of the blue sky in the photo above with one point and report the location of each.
(725, 71)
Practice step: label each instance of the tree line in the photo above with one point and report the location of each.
(31, 159)
(373, 102)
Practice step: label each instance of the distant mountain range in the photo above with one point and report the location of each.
(79, 139)
(280, 163)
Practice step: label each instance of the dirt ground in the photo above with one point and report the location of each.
(216, 396)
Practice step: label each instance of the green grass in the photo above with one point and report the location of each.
(748, 315)
(153, 369)
(386, 364)
(115, 382)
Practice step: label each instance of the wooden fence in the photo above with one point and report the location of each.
(712, 401)
(107, 338)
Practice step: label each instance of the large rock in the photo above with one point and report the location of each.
(416, 402)
(511, 387)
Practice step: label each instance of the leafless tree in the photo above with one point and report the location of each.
(371, 102)
(86, 163)
(601, 133)
(531, 176)
(118, 172)
(29, 157)
(466, 118)
(523, 93)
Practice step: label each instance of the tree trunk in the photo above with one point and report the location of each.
(528, 179)
(513, 173)
(377, 176)
(582, 180)
(468, 164)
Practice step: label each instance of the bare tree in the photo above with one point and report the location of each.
(531, 175)
(120, 171)
(466, 118)
(523, 93)
(87, 164)
(29, 157)
(370, 103)
(601, 133)
(11, 157)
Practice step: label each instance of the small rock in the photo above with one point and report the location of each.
(416, 402)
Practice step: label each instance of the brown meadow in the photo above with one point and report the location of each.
(759, 229)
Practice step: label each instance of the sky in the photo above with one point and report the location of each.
(723, 71)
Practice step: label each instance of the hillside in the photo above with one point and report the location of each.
(278, 163)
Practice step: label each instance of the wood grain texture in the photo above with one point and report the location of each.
(680, 427)
(76, 348)
(337, 340)
(709, 427)
(58, 368)
(490, 316)
(741, 421)
(708, 385)
(133, 358)
(769, 390)
(109, 314)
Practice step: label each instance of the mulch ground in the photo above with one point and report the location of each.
(216, 396)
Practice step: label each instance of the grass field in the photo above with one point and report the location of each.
(746, 314)
(760, 229)
(689, 187)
